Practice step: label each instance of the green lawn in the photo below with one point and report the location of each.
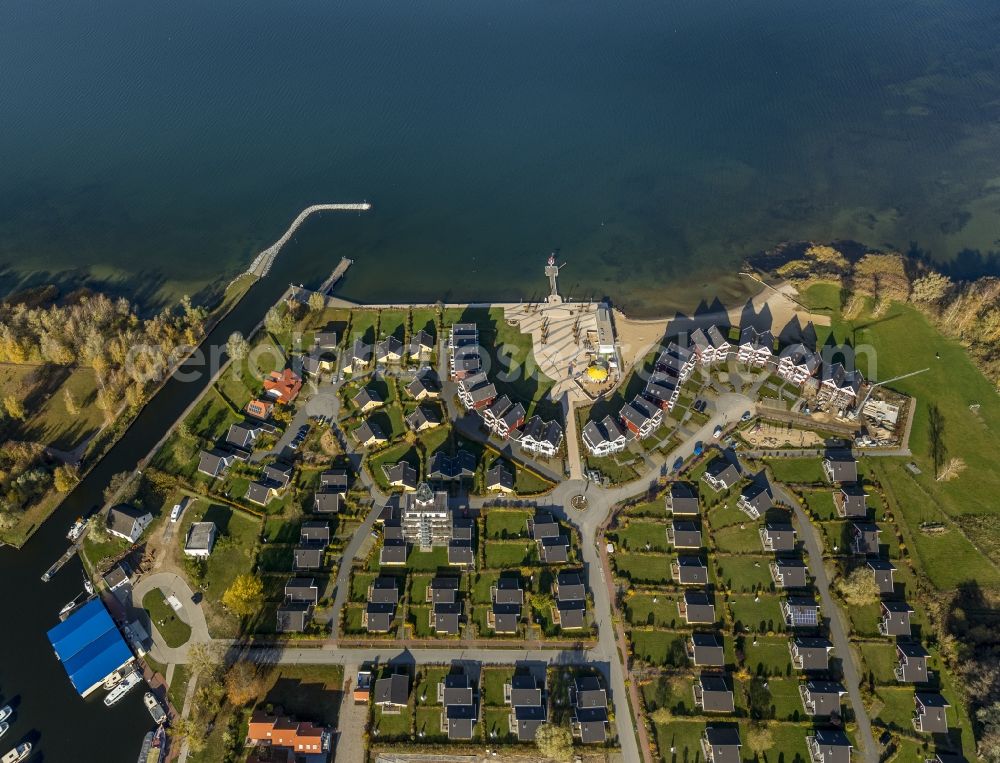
(880, 660)
(427, 561)
(659, 647)
(642, 568)
(737, 539)
(506, 554)
(492, 681)
(767, 655)
(174, 631)
(683, 737)
(643, 536)
(418, 619)
(641, 609)
(797, 470)
(762, 616)
(894, 707)
(744, 573)
(507, 523)
(51, 424)
(178, 686)
(655, 508)
(820, 503)
(391, 726)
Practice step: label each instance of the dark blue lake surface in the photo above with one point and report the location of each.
(155, 147)
(161, 145)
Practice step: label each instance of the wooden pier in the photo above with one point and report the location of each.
(262, 263)
(335, 276)
(61, 561)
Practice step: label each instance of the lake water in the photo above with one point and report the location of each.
(158, 146)
(154, 147)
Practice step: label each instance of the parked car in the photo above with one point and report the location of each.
(745, 416)
(175, 512)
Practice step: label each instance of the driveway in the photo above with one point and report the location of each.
(172, 585)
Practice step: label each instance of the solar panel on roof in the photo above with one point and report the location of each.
(804, 617)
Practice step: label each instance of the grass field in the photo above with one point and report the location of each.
(902, 341)
(507, 523)
(505, 554)
(642, 568)
(744, 573)
(659, 647)
(762, 615)
(643, 536)
(42, 389)
(795, 470)
(767, 656)
(652, 609)
(175, 632)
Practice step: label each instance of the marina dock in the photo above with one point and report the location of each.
(338, 273)
(61, 561)
(262, 263)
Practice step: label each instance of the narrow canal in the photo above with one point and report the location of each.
(61, 726)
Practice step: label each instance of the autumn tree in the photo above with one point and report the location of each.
(931, 289)
(759, 738)
(316, 301)
(64, 478)
(245, 596)
(237, 347)
(14, 408)
(69, 400)
(554, 742)
(244, 683)
(204, 660)
(277, 321)
(858, 588)
(121, 488)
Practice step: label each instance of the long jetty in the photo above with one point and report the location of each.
(335, 276)
(262, 263)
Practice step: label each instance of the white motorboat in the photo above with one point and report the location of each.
(6, 712)
(4, 728)
(128, 683)
(19, 753)
(76, 530)
(154, 707)
(67, 608)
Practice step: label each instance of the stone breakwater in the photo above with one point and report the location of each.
(262, 263)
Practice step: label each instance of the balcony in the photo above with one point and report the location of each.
(807, 703)
(689, 648)
(699, 694)
(883, 626)
(675, 568)
(918, 721)
(776, 576)
(682, 609)
(815, 753)
(743, 505)
(765, 539)
(898, 672)
(706, 749)
(796, 657)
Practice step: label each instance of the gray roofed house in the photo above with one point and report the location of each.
(456, 694)
(800, 612)
(930, 716)
(789, 573)
(713, 694)
(839, 386)
(461, 553)
(500, 479)
(864, 538)
(377, 618)
(383, 590)
(840, 467)
(315, 532)
(367, 399)
(682, 500)
(756, 347)
(393, 552)
(696, 607)
(421, 344)
(507, 597)
(604, 438)
(400, 474)
(721, 474)
(640, 417)
(589, 719)
(554, 550)
(540, 437)
(882, 569)
(325, 340)
(543, 525)
(360, 354)
(496, 409)
(756, 498)
(461, 527)
(527, 706)
(851, 501)
(569, 586)
(775, 536)
(278, 473)
(476, 392)
(424, 385)
(683, 533)
(389, 350)
(327, 503)
(829, 746)
(721, 744)
(302, 590)
(260, 493)
(334, 480)
(912, 663)
(307, 557)
(689, 570)
(423, 418)
(444, 467)
(243, 435)
(797, 363)
(392, 693)
(200, 539)
(215, 462)
(116, 577)
(442, 590)
(511, 420)
(821, 698)
(369, 433)
(293, 617)
(895, 618)
(446, 618)
(810, 654)
(705, 649)
(128, 522)
(570, 614)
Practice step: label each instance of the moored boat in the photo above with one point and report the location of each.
(19, 753)
(6, 712)
(4, 728)
(154, 707)
(76, 529)
(128, 683)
